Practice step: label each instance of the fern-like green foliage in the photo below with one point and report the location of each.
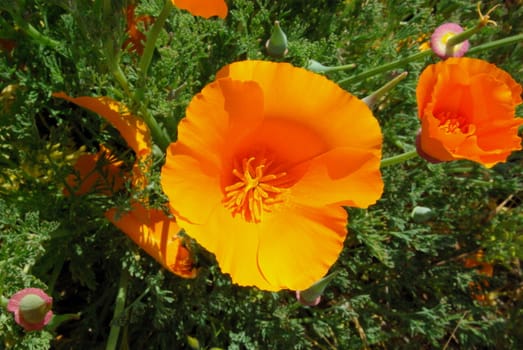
(401, 284)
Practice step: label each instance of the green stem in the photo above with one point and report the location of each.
(386, 67)
(378, 94)
(119, 75)
(33, 33)
(423, 54)
(158, 134)
(119, 307)
(461, 37)
(339, 68)
(518, 38)
(150, 44)
(400, 158)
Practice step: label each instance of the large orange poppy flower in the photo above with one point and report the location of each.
(157, 234)
(266, 157)
(467, 110)
(203, 8)
(133, 130)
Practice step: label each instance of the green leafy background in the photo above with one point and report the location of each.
(401, 284)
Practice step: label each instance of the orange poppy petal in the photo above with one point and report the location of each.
(301, 229)
(343, 176)
(191, 185)
(310, 100)
(234, 242)
(94, 175)
(134, 130)
(157, 234)
(203, 8)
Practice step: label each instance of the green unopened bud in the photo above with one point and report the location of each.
(421, 214)
(276, 46)
(312, 295)
(193, 343)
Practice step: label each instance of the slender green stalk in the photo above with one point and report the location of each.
(150, 43)
(514, 39)
(461, 37)
(158, 134)
(113, 61)
(386, 67)
(3, 301)
(424, 54)
(400, 158)
(120, 78)
(339, 68)
(373, 98)
(119, 307)
(33, 33)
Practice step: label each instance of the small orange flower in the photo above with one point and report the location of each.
(151, 229)
(7, 45)
(136, 37)
(133, 130)
(485, 269)
(467, 111)
(266, 157)
(203, 8)
(157, 234)
(99, 172)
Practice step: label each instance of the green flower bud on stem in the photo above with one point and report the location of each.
(276, 46)
(312, 295)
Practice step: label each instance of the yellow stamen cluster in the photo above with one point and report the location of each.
(254, 193)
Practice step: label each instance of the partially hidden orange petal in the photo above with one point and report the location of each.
(157, 234)
(203, 8)
(96, 173)
(133, 130)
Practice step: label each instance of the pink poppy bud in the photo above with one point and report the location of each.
(31, 308)
(440, 37)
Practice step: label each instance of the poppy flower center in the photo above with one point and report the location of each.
(255, 191)
(451, 121)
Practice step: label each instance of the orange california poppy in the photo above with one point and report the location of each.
(99, 172)
(467, 111)
(477, 288)
(7, 45)
(133, 130)
(476, 260)
(136, 38)
(157, 234)
(266, 157)
(203, 8)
